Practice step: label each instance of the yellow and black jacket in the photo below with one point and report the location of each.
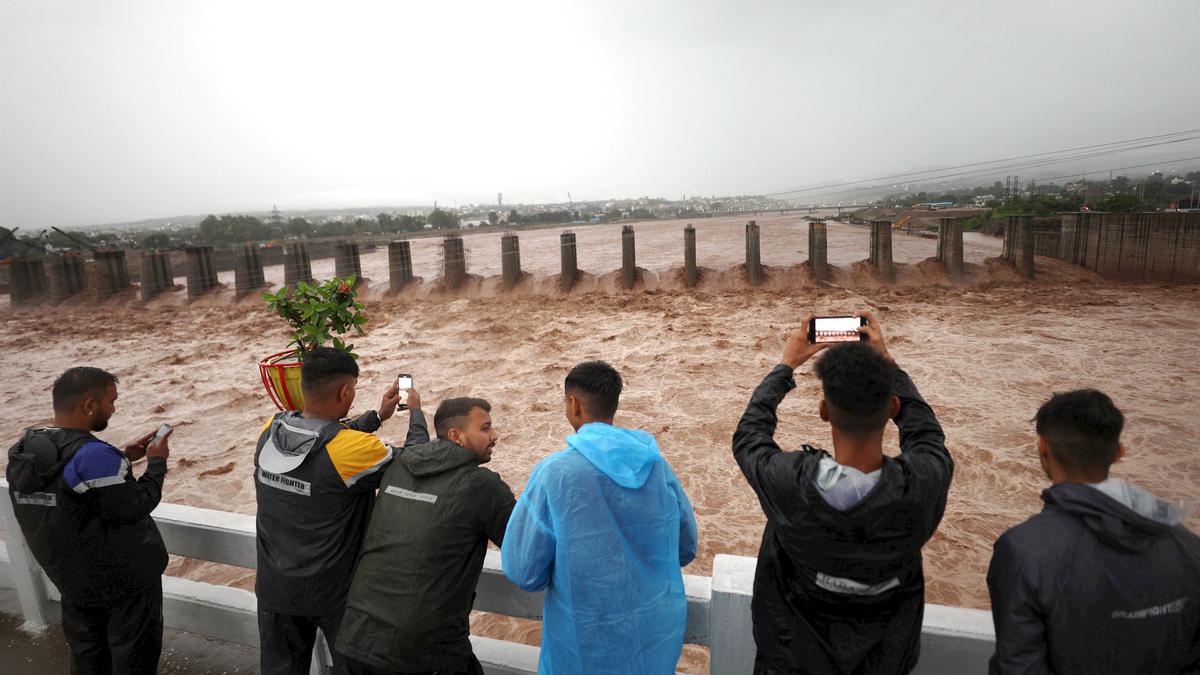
(314, 480)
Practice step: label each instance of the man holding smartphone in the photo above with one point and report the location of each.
(315, 478)
(87, 521)
(840, 586)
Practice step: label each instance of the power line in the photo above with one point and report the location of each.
(1110, 145)
(991, 170)
(1071, 175)
(1123, 168)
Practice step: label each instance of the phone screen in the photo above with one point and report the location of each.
(835, 329)
(404, 382)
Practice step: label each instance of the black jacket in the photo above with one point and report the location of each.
(1090, 586)
(96, 542)
(414, 587)
(314, 482)
(841, 591)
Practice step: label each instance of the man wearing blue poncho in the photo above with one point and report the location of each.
(604, 527)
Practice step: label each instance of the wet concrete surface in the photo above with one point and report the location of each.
(23, 653)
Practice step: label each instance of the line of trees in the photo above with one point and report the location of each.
(543, 217)
(237, 229)
(1120, 194)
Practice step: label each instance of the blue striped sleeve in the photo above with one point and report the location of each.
(95, 465)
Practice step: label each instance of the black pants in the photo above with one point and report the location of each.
(123, 636)
(285, 641)
(471, 667)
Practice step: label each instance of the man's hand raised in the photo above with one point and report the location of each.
(874, 334)
(798, 348)
(387, 406)
(160, 448)
(414, 399)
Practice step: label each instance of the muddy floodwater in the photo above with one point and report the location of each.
(984, 353)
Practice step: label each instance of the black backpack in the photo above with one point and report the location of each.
(37, 460)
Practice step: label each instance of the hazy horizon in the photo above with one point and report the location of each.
(126, 111)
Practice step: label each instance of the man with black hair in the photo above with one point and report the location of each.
(604, 526)
(410, 602)
(87, 521)
(315, 477)
(840, 586)
(1106, 579)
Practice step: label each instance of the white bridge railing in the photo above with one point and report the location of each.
(952, 640)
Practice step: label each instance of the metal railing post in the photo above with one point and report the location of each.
(731, 633)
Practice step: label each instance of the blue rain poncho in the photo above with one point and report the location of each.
(604, 527)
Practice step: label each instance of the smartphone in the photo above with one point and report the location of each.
(162, 431)
(836, 329)
(404, 382)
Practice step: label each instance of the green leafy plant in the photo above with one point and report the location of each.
(319, 313)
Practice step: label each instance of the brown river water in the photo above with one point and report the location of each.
(984, 353)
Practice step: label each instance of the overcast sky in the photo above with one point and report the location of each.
(113, 111)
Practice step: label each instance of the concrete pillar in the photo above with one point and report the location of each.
(690, 272)
(67, 276)
(248, 271)
(818, 250)
(346, 260)
(731, 631)
(1045, 243)
(753, 254)
(400, 272)
(570, 263)
(27, 280)
(157, 275)
(1018, 244)
(112, 276)
(201, 274)
(1185, 258)
(628, 259)
(881, 249)
(950, 247)
(510, 260)
(296, 265)
(1068, 236)
(1186, 267)
(454, 262)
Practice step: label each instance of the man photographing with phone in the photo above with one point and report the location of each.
(840, 586)
(87, 521)
(315, 478)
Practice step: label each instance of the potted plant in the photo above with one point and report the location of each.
(319, 314)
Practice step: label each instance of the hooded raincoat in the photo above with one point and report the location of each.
(410, 603)
(604, 527)
(840, 587)
(1104, 580)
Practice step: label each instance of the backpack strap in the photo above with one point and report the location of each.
(39, 457)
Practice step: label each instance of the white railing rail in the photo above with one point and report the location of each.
(953, 639)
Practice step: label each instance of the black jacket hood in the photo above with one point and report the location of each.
(440, 456)
(1114, 523)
